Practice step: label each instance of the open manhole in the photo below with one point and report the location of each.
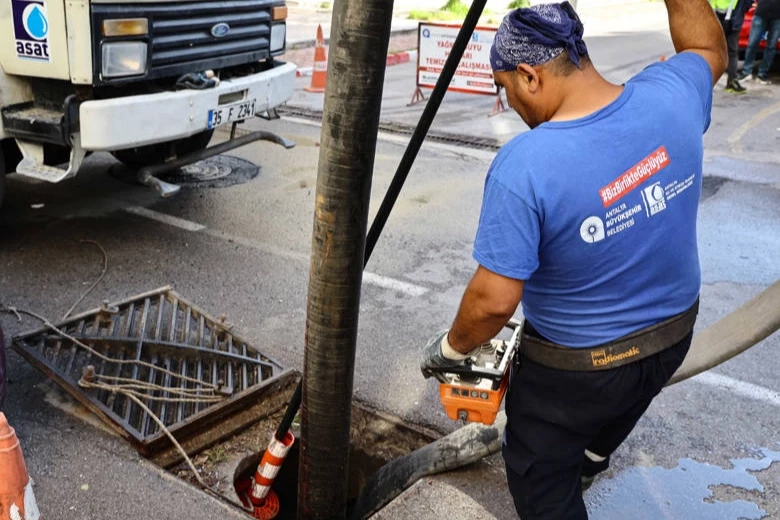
(375, 439)
(219, 171)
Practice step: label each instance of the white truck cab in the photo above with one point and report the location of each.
(143, 79)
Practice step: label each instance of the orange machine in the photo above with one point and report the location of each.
(473, 392)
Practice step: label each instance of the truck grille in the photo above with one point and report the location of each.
(180, 33)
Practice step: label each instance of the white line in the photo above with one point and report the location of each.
(265, 247)
(739, 387)
(393, 284)
(165, 219)
(370, 278)
(735, 139)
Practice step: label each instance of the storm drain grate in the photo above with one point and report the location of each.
(200, 379)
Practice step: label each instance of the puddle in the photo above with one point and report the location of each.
(681, 492)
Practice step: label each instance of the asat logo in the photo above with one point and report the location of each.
(31, 29)
(654, 198)
(35, 22)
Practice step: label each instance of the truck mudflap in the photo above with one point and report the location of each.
(132, 121)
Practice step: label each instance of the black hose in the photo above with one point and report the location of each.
(426, 119)
(463, 446)
(289, 414)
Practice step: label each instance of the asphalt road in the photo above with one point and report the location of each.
(243, 250)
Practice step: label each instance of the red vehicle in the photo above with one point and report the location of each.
(744, 33)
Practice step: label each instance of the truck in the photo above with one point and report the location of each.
(146, 80)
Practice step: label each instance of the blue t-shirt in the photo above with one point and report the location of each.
(598, 214)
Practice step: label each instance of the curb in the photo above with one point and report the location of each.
(305, 44)
(397, 58)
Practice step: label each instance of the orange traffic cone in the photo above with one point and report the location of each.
(16, 495)
(320, 69)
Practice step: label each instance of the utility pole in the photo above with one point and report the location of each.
(359, 38)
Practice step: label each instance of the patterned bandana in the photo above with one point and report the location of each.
(536, 35)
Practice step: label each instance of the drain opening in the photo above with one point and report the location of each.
(375, 439)
(154, 354)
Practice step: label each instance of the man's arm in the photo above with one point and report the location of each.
(488, 303)
(695, 28)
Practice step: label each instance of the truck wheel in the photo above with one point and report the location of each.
(159, 153)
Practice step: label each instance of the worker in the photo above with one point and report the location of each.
(589, 221)
(731, 15)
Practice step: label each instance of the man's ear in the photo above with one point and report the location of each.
(528, 77)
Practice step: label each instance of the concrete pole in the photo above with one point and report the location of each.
(359, 38)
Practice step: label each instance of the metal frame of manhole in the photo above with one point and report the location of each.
(203, 381)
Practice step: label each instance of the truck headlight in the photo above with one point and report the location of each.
(124, 59)
(278, 32)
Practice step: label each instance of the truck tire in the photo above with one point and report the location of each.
(159, 153)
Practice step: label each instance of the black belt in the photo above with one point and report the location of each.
(633, 347)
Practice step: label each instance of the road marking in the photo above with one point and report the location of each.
(264, 247)
(180, 223)
(393, 284)
(735, 139)
(742, 388)
(383, 282)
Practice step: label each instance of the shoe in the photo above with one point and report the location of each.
(744, 76)
(586, 482)
(764, 80)
(735, 88)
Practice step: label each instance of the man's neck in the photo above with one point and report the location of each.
(583, 93)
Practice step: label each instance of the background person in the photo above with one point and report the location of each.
(575, 223)
(766, 18)
(731, 14)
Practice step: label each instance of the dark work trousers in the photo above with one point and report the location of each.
(554, 415)
(732, 43)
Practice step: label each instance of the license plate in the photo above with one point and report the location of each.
(230, 113)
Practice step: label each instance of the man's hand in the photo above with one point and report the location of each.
(433, 358)
(695, 28)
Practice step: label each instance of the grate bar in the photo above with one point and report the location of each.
(165, 330)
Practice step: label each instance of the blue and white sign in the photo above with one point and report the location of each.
(31, 29)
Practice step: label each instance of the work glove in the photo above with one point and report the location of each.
(433, 358)
(438, 355)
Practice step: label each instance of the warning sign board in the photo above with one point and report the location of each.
(473, 74)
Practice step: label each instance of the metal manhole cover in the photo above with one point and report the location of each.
(219, 171)
(196, 375)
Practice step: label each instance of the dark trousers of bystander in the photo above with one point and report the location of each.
(732, 44)
(553, 416)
